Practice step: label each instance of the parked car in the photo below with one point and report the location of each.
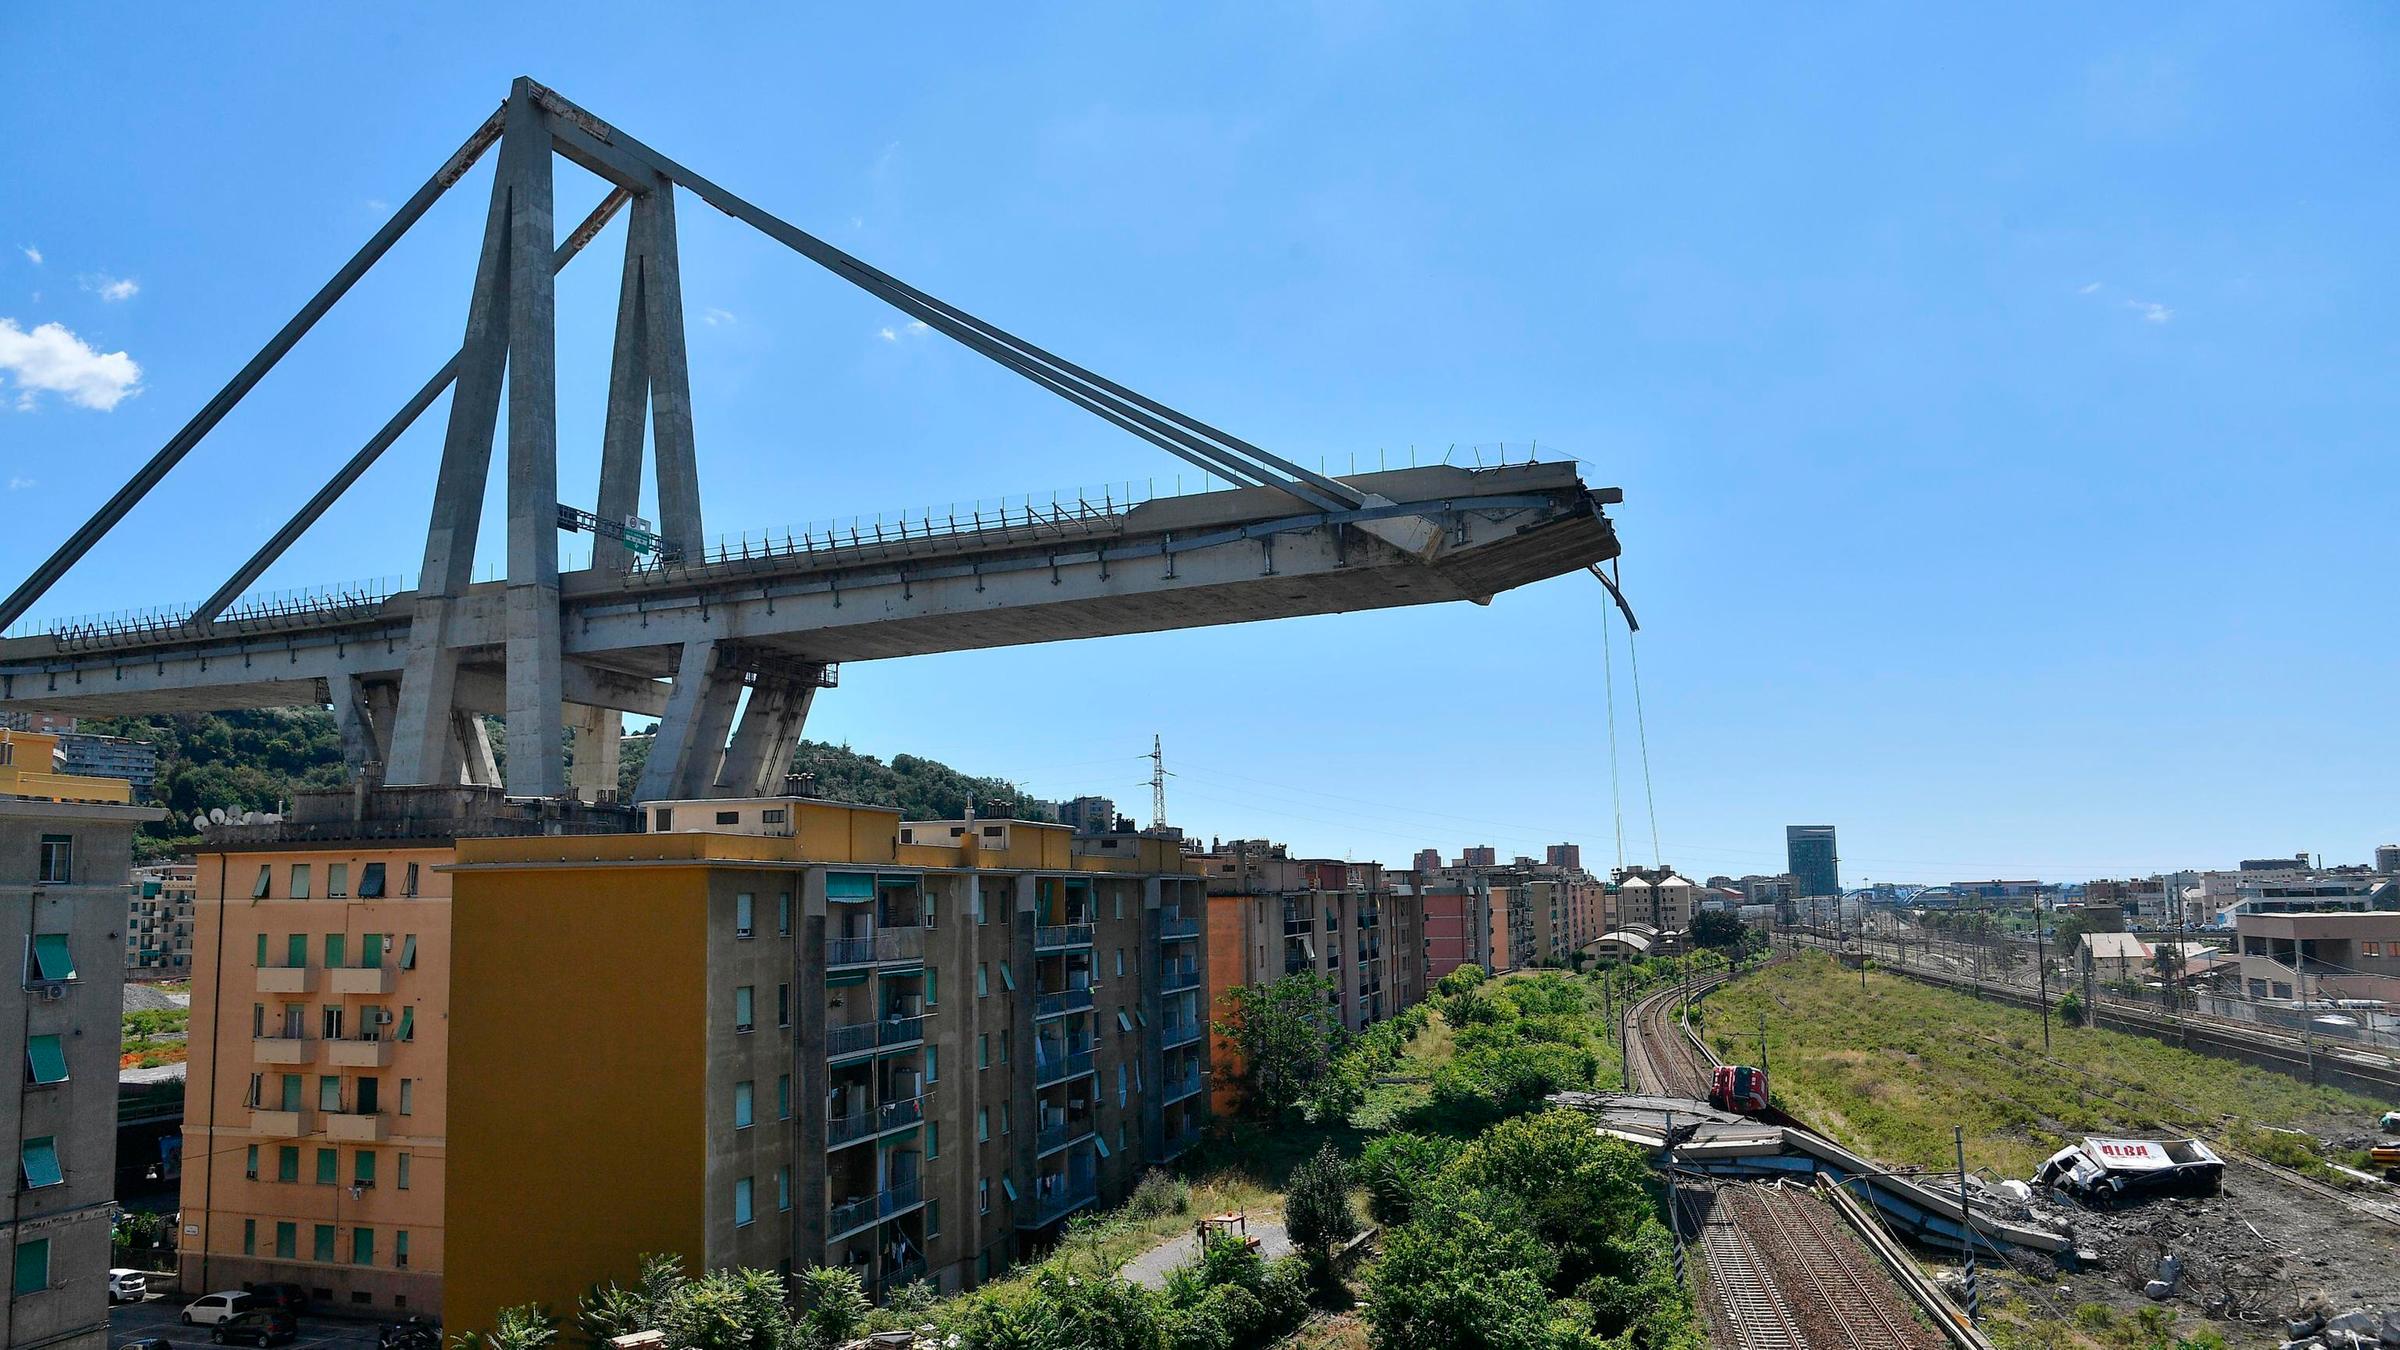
(127, 1286)
(259, 1326)
(210, 1309)
(289, 1297)
(145, 1343)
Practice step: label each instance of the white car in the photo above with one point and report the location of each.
(127, 1286)
(210, 1309)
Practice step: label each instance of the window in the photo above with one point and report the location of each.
(249, 1237)
(1124, 1023)
(299, 889)
(741, 1202)
(329, 1092)
(337, 950)
(783, 1097)
(33, 1266)
(933, 1139)
(329, 1170)
(933, 1218)
(400, 1172)
(743, 1014)
(362, 1246)
(266, 877)
(1120, 960)
(408, 1024)
(250, 1163)
(983, 980)
(983, 1124)
(337, 881)
(783, 1188)
(1122, 1083)
(1008, 977)
(323, 1250)
(58, 858)
(663, 819)
(370, 950)
(295, 949)
(370, 881)
(1120, 904)
(1009, 1184)
(1005, 1122)
(729, 817)
(783, 913)
(408, 883)
(932, 986)
(783, 1005)
(408, 1096)
(933, 1063)
(983, 1050)
(262, 949)
(2374, 949)
(287, 1240)
(1004, 1046)
(743, 1107)
(39, 1163)
(980, 916)
(332, 1023)
(983, 1195)
(294, 1088)
(287, 1163)
(45, 1060)
(51, 958)
(773, 815)
(362, 1168)
(400, 1249)
(408, 952)
(742, 916)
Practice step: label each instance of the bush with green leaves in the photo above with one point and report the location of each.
(1396, 1168)
(1316, 1205)
(1158, 1194)
(1286, 1039)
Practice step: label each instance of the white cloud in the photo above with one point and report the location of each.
(914, 328)
(52, 360)
(714, 317)
(112, 288)
(32, 255)
(887, 334)
(19, 483)
(379, 206)
(2088, 289)
(2150, 311)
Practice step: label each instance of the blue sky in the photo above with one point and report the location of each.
(2003, 402)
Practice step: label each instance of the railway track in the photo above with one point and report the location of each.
(1846, 1300)
(1746, 1308)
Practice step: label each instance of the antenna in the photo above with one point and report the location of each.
(1158, 784)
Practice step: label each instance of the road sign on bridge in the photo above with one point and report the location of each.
(683, 633)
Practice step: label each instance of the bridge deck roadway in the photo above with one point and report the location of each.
(1224, 557)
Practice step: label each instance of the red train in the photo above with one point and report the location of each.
(1738, 1087)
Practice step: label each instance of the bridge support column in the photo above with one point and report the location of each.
(472, 747)
(649, 370)
(596, 735)
(684, 741)
(762, 747)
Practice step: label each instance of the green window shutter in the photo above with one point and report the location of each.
(249, 1237)
(287, 1165)
(1008, 977)
(329, 1167)
(933, 992)
(292, 1100)
(400, 1247)
(370, 953)
(370, 881)
(783, 1097)
(324, 1242)
(295, 950)
(408, 952)
(400, 1172)
(33, 1266)
(1009, 1184)
(329, 1092)
(362, 1246)
(849, 886)
(287, 1241)
(45, 1059)
(337, 949)
(41, 1163)
(363, 1167)
(250, 1163)
(408, 1023)
(262, 949)
(51, 957)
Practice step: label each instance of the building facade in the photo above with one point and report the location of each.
(2314, 957)
(1457, 916)
(785, 1033)
(159, 922)
(87, 753)
(66, 850)
(1812, 858)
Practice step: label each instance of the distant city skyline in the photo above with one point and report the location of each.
(1939, 391)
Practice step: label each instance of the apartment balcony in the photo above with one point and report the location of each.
(1059, 1201)
(1173, 1034)
(894, 1032)
(849, 951)
(1060, 1068)
(1177, 1142)
(287, 979)
(1052, 1138)
(904, 1274)
(283, 1050)
(1062, 937)
(856, 1038)
(1176, 1089)
(281, 1124)
(900, 947)
(1061, 1003)
(354, 1127)
(868, 1210)
(358, 1054)
(844, 1130)
(358, 979)
(1296, 967)
(1175, 930)
(1175, 975)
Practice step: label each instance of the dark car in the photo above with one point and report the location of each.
(259, 1326)
(145, 1343)
(289, 1297)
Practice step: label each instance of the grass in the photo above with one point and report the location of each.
(1893, 1070)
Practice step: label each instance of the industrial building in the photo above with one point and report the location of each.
(781, 1033)
(66, 849)
(2315, 956)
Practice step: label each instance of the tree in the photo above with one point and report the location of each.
(1719, 928)
(528, 1327)
(1470, 1276)
(1395, 1170)
(1316, 1206)
(2070, 1010)
(1285, 1039)
(1582, 1192)
(832, 1305)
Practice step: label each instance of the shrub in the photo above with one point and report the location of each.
(1157, 1196)
(1396, 1169)
(1316, 1205)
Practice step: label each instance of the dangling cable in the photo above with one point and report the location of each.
(1616, 797)
(1634, 656)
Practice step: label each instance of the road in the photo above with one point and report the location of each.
(157, 1317)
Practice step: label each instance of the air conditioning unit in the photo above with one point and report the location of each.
(54, 990)
(382, 1016)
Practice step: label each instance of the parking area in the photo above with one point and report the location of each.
(157, 1317)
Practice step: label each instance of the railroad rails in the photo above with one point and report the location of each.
(1779, 1272)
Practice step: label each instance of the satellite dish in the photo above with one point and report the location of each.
(216, 815)
(200, 820)
(249, 817)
